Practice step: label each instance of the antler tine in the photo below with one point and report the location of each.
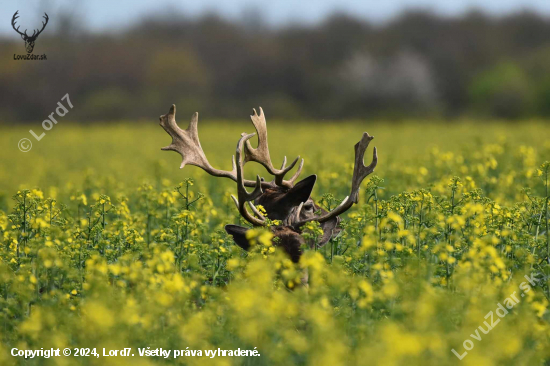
(261, 153)
(294, 215)
(187, 144)
(242, 193)
(13, 19)
(360, 172)
(43, 24)
(297, 173)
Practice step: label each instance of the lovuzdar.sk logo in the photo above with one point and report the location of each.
(29, 40)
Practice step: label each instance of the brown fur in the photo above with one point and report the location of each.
(290, 240)
(280, 203)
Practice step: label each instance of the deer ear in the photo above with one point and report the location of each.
(301, 191)
(239, 235)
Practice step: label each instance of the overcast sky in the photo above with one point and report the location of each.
(105, 14)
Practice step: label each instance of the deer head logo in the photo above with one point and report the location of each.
(282, 199)
(29, 40)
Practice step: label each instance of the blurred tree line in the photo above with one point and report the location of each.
(417, 66)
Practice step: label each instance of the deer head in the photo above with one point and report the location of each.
(282, 199)
(29, 40)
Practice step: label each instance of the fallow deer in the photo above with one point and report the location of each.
(283, 200)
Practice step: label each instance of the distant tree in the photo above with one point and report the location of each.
(400, 85)
(504, 91)
(417, 65)
(537, 65)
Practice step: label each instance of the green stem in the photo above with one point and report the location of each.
(546, 215)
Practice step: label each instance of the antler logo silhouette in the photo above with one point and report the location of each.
(29, 40)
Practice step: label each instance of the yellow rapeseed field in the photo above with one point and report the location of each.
(101, 249)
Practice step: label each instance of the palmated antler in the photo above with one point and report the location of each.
(242, 193)
(261, 153)
(187, 144)
(360, 172)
